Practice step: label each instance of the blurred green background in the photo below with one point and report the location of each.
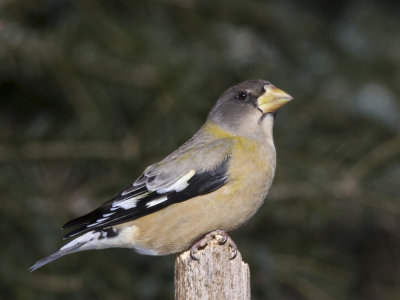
(91, 92)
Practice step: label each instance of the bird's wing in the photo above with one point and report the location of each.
(190, 171)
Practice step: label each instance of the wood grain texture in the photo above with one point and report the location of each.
(213, 276)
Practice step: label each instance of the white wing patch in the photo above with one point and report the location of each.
(178, 185)
(109, 214)
(98, 221)
(101, 220)
(132, 202)
(128, 202)
(156, 201)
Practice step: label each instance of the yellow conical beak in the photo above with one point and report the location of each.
(272, 99)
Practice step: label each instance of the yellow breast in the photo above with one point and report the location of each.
(176, 227)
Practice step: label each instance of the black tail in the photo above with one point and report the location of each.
(56, 255)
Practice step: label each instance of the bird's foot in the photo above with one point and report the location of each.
(223, 238)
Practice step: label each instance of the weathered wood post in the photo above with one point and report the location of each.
(213, 276)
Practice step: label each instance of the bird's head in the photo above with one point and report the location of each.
(248, 108)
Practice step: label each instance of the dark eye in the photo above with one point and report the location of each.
(242, 95)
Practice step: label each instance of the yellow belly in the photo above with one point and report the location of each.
(176, 227)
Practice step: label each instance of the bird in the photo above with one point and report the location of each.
(210, 186)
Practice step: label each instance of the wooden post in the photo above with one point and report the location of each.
(213, 276)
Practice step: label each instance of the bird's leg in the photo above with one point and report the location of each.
(203, 242)
(227, 238)
(200, 244)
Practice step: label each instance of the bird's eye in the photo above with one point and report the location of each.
(242, 95)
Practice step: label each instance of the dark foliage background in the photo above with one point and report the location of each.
(91, 92)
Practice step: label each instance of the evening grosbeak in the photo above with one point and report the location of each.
(212, 184)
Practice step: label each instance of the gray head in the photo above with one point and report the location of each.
(248, 108)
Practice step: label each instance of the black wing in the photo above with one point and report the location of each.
(138, 200)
